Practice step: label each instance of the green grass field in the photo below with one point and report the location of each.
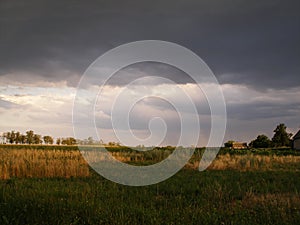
(252, 188)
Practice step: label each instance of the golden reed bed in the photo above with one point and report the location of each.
(251, 162)
(60, 163)
(42, 163)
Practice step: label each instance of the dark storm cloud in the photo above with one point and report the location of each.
(249, 42)
(263, 110)
(139, 70)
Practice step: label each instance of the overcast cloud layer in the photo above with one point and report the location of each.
(248, 42)
(251, 46)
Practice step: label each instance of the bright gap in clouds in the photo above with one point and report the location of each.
(48, 110)
(159, 102)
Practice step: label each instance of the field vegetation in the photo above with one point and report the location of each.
(41, 184)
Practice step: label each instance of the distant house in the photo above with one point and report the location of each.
(239, 145)
(296, 141)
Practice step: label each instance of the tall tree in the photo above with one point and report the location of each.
(10, 137)
(29, 137)
(281, 137)
(18, 137)
(23, 139)
(7, 137)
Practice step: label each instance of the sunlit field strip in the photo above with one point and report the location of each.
(23, 162)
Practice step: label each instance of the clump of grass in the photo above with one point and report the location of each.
(64, 161)
(152, 156)
(46, 163)
(249, 162)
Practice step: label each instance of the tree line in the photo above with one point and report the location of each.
(281, 138)
(16, 137)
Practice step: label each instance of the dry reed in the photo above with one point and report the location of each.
(42, 163)
(249, 162)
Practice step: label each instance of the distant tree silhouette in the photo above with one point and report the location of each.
(262, 141)
(68, 141)
(48, 139)
(37, 139)
(29, 137)
(90, 141)
(23, 139)
(281, 137)
(18, 137)
(10, 137)
(58, 141)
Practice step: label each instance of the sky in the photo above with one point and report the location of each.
(252, 47)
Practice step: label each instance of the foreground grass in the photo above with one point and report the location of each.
(190, 197)
(54, 185)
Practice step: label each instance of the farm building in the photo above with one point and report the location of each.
(296, 141)
(239, 145)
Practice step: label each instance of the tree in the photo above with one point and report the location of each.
(262, 141)
(48, 140)
(90, 141)
(37, 139)
(13, 137)
(10, 137)
(18, 138)
(7, 136)
(29, 137)
(68, 141)
(281, 137)
(229, 144)
(58, 141)
(23, 139)
(112, 143)
(72, 141)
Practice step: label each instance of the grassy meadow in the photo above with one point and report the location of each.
(54, 185)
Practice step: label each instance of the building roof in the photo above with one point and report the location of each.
(297, 135)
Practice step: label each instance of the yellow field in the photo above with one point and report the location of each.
(251, 162)
(70, 163)
(42, 163)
